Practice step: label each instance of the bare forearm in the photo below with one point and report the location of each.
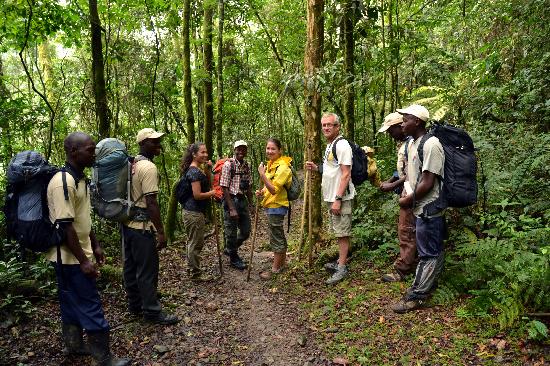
(73, 244)
(344, 183)
(153, 210)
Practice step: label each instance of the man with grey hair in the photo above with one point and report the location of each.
(338, 191)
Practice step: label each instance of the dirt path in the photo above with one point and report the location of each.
(224, 322)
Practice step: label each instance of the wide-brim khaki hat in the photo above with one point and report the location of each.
(148, 133)
(416, 110)
(239, 143)
(390, 120)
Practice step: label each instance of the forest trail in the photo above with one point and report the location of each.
(227, 321)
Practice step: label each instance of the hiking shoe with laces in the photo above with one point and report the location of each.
(331, 266)
(405, 306)
(162, 318)
(393, 277)
(338, 276)
(236, 262)
(201, 277)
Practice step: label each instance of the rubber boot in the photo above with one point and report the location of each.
(101, 352)
(72, 338)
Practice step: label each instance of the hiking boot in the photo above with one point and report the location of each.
(161, 318)
(72, 338)
(101, 352)
(404, 306)
(339, 275)
(331, 266)
(393, 277)
(237, 262)
(201, 277)
(135, 311)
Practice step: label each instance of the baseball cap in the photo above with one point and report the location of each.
(148, 133)
(416, 110)
(390, 120)
(239, 143)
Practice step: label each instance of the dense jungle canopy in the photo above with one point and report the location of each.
(220, 71)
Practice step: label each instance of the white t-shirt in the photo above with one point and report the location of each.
(332, 172)
(433, 161)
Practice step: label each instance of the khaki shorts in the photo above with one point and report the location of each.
(341, 225)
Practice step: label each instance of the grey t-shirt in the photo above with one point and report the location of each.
(434, 161)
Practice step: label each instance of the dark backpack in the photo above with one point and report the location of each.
(26, 207)
(183, 189)
(359, 162)
(460, 170)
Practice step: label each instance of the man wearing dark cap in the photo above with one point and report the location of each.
(144, 235)
(425, 172)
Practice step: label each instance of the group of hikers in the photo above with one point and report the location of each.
(420, 235)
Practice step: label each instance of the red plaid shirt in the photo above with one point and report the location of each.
(232, 179)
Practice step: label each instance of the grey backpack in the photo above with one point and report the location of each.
(294, 189)
(111, 185)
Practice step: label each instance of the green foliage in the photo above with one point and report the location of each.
(22, 285)
(537, 330)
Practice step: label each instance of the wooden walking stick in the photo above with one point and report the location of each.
(310, 224)
(303, 221)
(254, 230)
(217, 235)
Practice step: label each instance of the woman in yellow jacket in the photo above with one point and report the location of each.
(275, 177)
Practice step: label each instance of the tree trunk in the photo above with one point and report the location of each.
(98, 72)
(349, 69)
(312, 140)
(187, 99)
(219, 117)
(7, 148)
(384, 60)
(208, 99)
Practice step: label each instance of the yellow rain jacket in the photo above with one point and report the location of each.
(280, 175)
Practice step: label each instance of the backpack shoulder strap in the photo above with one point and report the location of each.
(334, 146)
(407, 149)
(420, 149)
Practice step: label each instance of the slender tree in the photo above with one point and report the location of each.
(312, 63)
(219, 67)
(349, 67)
(208, 99)
(187, 99)
(98, 72)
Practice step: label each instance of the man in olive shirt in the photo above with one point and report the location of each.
(80, 304)
(144, 235)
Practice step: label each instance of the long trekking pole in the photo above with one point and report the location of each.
(254, 231)
(310, 224)
(303, 221)
(217, 235)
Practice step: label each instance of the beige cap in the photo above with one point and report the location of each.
(416, 110)
(148, 133)
(390, 120)
(239, 143)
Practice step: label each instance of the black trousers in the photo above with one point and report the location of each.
(141, 270)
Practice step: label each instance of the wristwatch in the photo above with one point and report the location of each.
(338, 198)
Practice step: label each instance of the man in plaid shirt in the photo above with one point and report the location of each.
(236, 182)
